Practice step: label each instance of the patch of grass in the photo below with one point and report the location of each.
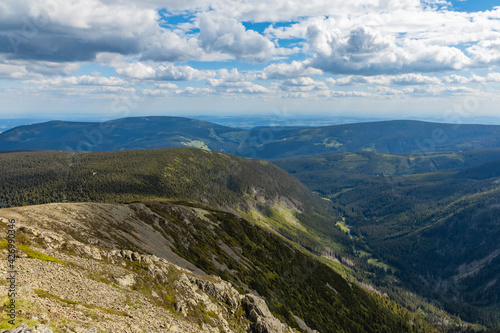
(343, 227)
(377, 263)
(99, 278)
(196, 144)
(24, 317)
(38, 255)
(362, 254)
(212, 314)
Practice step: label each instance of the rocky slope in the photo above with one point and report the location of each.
(78, 287)
(155, 267)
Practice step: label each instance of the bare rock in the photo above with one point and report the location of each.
(41, 329)
(222, 291)
(23, 328)
(29, 231)
(127, 280)
(262, 319)
(92, 252)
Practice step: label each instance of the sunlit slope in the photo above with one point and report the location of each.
(294, 284)
(255, 189)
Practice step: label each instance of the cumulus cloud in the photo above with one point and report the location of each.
(287, 10)
(139, 70)
(24, 69)
(402, 79)
(493, 77)
(295, 69)
(227, 35)
(358, 37)
(301, 49)
(303, 84)
(80, 30)
(363, 50)
(170, 47)
(166, 85)
(234, 82)
(85, 80)
(181, 73)
(71, 30)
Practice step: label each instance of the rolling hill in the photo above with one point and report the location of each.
(391, 137)
(126, 133)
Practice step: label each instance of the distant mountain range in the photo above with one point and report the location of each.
(392, 137)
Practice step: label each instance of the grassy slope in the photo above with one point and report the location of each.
(291, 280)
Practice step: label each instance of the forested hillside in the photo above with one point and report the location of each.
(405, 211)
(392, 137)
(255, 189)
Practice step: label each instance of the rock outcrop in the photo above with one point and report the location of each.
(262, 319)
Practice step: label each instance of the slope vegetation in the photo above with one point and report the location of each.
(294, 284)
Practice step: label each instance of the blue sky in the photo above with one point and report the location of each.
(474, 6)
(97, 58)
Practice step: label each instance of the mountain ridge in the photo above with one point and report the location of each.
(398, 137)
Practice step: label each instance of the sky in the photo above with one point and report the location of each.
(368, 58)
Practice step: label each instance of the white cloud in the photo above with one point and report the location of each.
(303, 84)
(350, 94)
(486, 52)
(414, 79)
(166, 85)
(181, 73)
(139, 70)
(295, 69)
(244, 87)
(402, 79)
(363, 50)
(493, 77)
(11, 71)
(136, 70)
(228, 36)
(85, 80)
(24, 69)
(168, 46)
(384, 47)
